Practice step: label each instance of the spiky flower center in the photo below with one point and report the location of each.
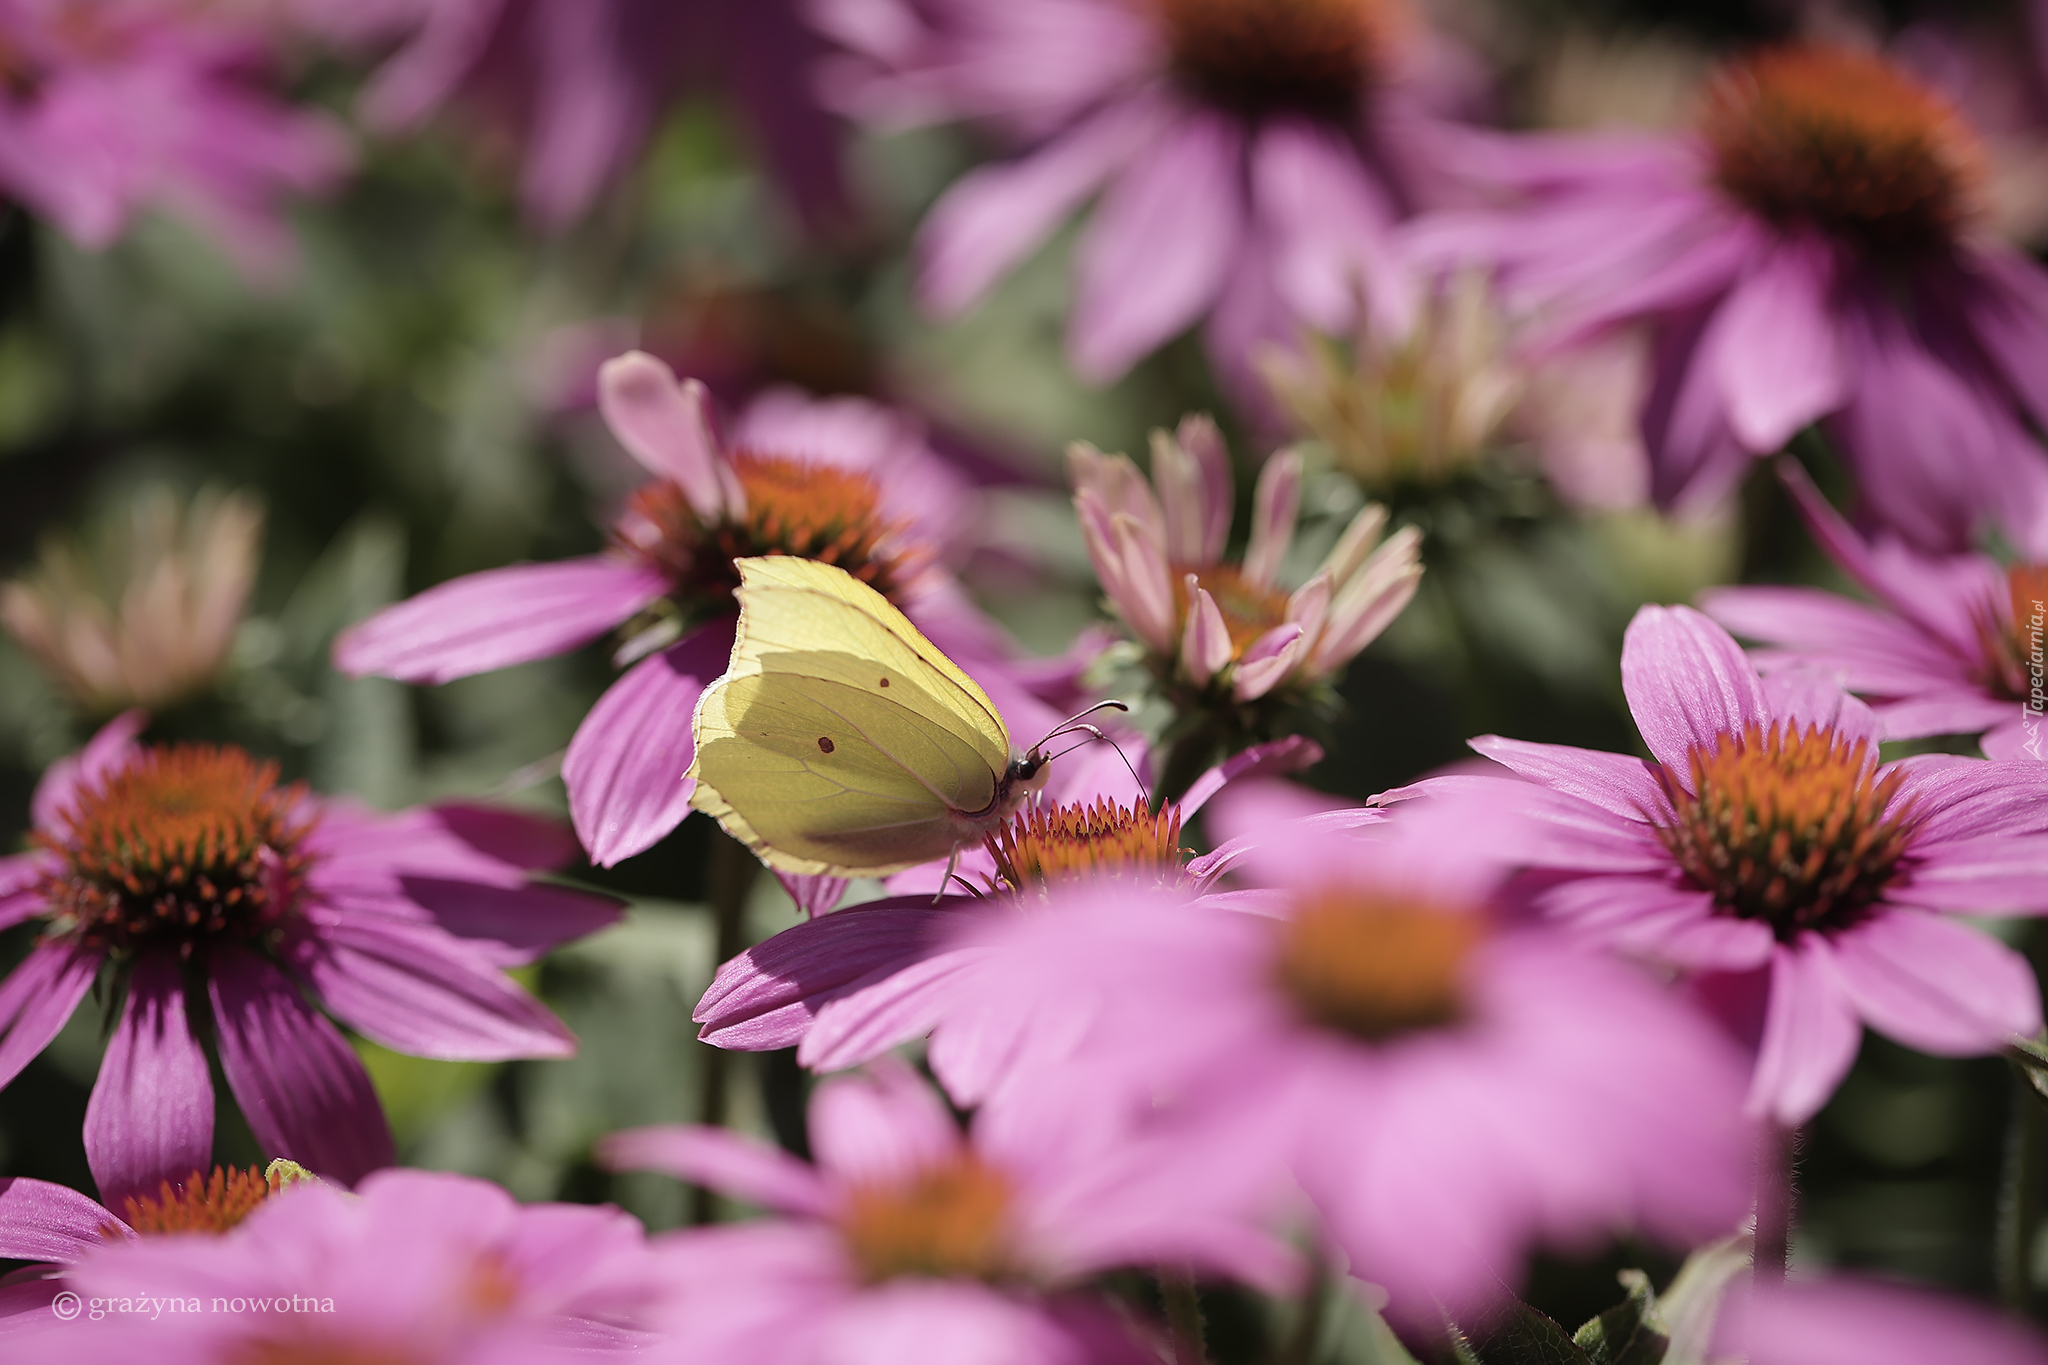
(1259, 57)
(199, 1203)
(2012, 633)
(1377, 967)
(1796, 827)
(1249, 609)
(182, 844)
(1045, 846)
(1845, 142)
(794, 507)
(947, 1221)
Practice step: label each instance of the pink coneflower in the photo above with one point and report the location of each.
(1252, 157)
(1954, 648)
(1810, 250)
(1770, 851)
(177, 869)
(581, 84)
(911, 1241)
(1447, 1084)
(810, 480)
(1226, 644)
(1860, 1322)
(113, 106)
(846, 987)
(423, 1267)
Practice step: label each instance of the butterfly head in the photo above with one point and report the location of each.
(1027, 774)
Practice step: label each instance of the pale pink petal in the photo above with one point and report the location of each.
(41, 1221)
(881, 1125)
(1807, 697)
(1811, 1033)
(957, 1322)
(1937, 985)
(664, 426)
(1197, 435)
(1267, 662)
(1276, 502)
(1688, 684)
(1205, 642)
(150, 1118)
(1844, 1322)
(1331, 228)
(1154, 255)
(1147, 602)
(1772, 345)
(37, 998)
(498, 618)
(1618, 783)
(990, 219)
(624, 769)
(720, 1160)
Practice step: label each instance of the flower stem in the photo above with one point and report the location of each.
(1776, 1158)
(1183, 1315)
(728, 879)
(2019, 1196)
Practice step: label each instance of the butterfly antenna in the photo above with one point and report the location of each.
(1071, 728)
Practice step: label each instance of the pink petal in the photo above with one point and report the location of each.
(1146, 603)
(509, 925)
(767, 996)
(1806, 697)
(1154, 256)
(663, 424)
(513, 837)
(881, 1125)
(1276, 758)
(1267, 662)
(1331, 226)
(299, 1084)
(20, 881)
(1205, 642)
(624, 769)
(106, 750)
(1276, 502)
(417, 990)
(37, 998)
(1687, 683)
(498, 618)
(150, 1118)
(1772, 345)
(720, 1160)
(1811, 1033)
(1937, 985)
(991, 219)
(957, 1322)
(40, 1221)
(1618, 783)
(814, 896)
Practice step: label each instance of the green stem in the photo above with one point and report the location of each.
(1183, 1316)
(2019, 1196)
(728, 879)
(1301, 1343)
(1776, 1157)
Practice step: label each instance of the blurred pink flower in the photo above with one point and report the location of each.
(1769, 850)
(1810, 251)
(1446, 1084)
(911, 1241)
(113, 106)
(1252, 158)
(1952, 647)
(1225, 629)
(425, 1267)
(843, 481)
(1851, 1322)
(582, 84)
(187, 865)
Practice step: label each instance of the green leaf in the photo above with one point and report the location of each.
(1519, 1336)
(1624, 1334)
(2030, 1055)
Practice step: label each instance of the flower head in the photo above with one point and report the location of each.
(179, 869)
(144, 614)
(1771, 852)
(842, 481)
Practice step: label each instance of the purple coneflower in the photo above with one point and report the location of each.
(1448, 1084)
(1809, 250)
(911, 1241)
(837, 482)
(1252, 157)
(203, 890)
(1768, 849)
(1842, 1321)
(1953, 648)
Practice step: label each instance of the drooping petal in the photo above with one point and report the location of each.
(664, 425)
(150, 1118)
(813, 895)
(1773, 346)
(1811, 1033)
(37, 999)
(719, 1159)
(1276, 758)
(1687, 684)
(299, 1084)
(41, 1221)
(1937, 985)
(1154, 256)
(624, 769)
(498, 618)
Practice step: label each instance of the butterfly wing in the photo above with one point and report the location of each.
(840, 740)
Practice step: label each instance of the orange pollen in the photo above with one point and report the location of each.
(2012, 641)
(1249, 609)
(1260, 57)
(1792, 827)
(814, 511)
(948, 1221)
(1376, 967)
(1846, 142)
(186, 842)
(200, 1203)
(1045, 846)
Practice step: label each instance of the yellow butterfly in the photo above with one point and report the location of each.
(841, 741)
